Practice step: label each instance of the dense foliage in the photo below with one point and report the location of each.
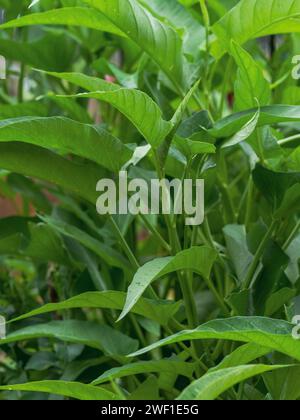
(207, 312)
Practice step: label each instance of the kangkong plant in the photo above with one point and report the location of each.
(116, 284)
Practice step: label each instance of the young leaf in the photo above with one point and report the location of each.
(268, 115)
(192, 148)
(245, 132)
(251, 85)
(198, 259)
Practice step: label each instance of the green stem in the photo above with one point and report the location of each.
(129, 252)
(249, 202)
(188, 297)
(258, 255)
(185, 285)
(118, 390)
(21, 84)
(124, 244)
(224, 87)
(292, 236)
(138, 330)
(210, 241)
(22, 70)
(288, 140)
(155, 232)
(171, 224)
(206, 20)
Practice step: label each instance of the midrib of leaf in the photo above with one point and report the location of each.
(234, 375)
(261, 32)
(146, 13)
(279, 338)
(263, 29)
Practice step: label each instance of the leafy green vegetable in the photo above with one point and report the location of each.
(94, 93)
(211, 385)
(157, 311)
(100, 337)
(199, 260)
(250, 86)
(67, 136)
(161, 366)
(276, 335)
(254, 19)
(159, 40)
(66, 16)
(67, 389)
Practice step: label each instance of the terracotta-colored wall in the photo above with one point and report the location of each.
(8, 208)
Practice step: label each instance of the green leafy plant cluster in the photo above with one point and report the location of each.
(144, 307)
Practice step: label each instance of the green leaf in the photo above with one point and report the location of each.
(236, 241)
(150, 388)
(254, 19)
(159, 311)
(290, 203)
(266, 332)
(181, 110)
(134, 104)
(160, 41)
(32, 108)
(181, 19)
(281, 189)
(71, 108)
(284, 384)
(250, 86)
(242, 355)
(37, 162)
(268, 115)
(78, 16)
(67, 389)
(192, 148)
(160, 366)
(23, 237)
(101, 337)
(278, 299)
(198, 259)
(44, 245)
(213, 384)
(272, 277)
(244, 133)
(105, 252)
(53, 51)
(68, 136)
